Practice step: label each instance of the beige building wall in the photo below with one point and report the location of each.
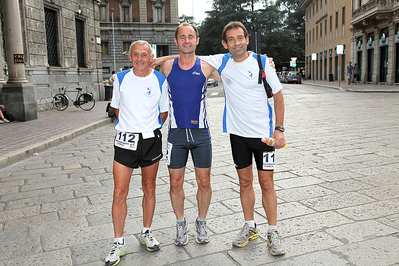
(327, 25)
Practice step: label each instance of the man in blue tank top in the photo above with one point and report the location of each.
(188, 129)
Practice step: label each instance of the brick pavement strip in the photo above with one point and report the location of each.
(337, 187)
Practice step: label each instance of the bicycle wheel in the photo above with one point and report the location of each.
(60, 102)
(86, 101)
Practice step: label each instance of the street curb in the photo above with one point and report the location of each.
(351, 90)
(13, 157)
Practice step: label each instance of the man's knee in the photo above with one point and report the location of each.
(267, 185)
(204, 183)
(120, 195)
(149, 189)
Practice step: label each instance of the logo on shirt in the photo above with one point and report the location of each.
(194, 122)
(148, 92)
(250, 75)
(196, 73)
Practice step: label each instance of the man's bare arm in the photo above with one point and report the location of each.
(164, 116)
(209, 71)
(279, 112)
(166, 67)
(161, 60)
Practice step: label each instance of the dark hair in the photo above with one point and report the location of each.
(186, 24)
(234, 25)
(113, 72)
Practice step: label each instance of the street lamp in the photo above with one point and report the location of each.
(113, 36)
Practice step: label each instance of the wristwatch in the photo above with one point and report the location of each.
(280, 128)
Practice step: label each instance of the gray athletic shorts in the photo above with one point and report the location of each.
(183, 140)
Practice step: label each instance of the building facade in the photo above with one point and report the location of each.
(125, 21)
(60, 46)
(327, 26)
(375, 42)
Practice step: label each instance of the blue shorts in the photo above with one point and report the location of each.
(183, 140)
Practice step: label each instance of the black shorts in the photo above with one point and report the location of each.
(183, 140)
(148, 152)
(243, 149)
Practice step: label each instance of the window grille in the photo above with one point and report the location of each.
(80, 42)
(51, 37)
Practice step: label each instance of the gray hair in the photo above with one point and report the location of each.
(142, 42)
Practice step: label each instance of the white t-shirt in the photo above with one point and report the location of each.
(247, 111)
(140, 101)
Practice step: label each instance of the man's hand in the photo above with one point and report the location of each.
(280, 139)
(271, 62)
(2, 106)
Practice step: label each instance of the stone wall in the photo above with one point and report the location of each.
(48, 79)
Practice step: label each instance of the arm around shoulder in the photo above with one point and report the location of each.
(166, 68)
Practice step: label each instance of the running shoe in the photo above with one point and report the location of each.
(247, 233)
(274, 242)
(182, 233)
(202, 234)
(149, 241)
(117, 251)
(6, 120)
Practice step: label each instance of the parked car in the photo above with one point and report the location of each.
(293, 77)
(212, 82)
(282, 76)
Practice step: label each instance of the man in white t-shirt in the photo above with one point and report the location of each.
(141, 104)
(248, 117)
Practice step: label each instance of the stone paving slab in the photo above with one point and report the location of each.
(337, 194)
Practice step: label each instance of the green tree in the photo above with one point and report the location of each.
(281, 24)
(185, 18)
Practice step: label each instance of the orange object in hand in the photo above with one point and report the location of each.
(271, 142)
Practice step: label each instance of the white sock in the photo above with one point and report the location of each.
(251, 224)
(145, 230)
(200, 220)
(272, 228)
(119, 240)
(181, 220)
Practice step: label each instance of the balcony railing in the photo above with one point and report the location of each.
(138, 25)
(373, 7)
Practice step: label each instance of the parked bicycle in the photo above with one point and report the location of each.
(85, 101)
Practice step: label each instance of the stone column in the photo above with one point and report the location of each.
(377, 54)
(391, 57)
(364, 58)
(2, 81)
(18, 95)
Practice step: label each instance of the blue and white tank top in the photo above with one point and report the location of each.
(187, 97)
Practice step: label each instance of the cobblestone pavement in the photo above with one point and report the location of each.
(337, 185)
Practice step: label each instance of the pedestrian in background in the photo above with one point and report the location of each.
(141, 104)
(349, 72)
(112, 78)
(2, 119)
(355, 73)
